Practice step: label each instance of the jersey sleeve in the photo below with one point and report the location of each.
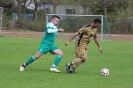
(50, 28)
(52, 31)
(96, 31)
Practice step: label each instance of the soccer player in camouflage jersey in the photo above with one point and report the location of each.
(85, 35)
(47, 45)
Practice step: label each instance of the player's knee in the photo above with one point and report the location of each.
(38, 55)
(61, 54)
(83, 59)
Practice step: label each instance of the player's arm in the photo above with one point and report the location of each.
(97, 42)
(54, 31)
(71, 38)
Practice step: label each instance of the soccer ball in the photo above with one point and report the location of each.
(105, 72)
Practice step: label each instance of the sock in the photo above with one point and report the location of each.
(56, 61)
(30, 60)
(69, 63)
(76, 63)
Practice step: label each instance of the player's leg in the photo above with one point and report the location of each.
(80, 59)
(30, 60)
(70, 67)
(42, 50)
(59, 53)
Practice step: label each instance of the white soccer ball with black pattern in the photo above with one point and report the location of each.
(105, 72)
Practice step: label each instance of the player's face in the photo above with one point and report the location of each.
(96, 25)
(55, 21)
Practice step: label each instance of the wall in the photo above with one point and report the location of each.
(60, 9)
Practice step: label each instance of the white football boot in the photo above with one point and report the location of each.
(55, 70)
(22, 67)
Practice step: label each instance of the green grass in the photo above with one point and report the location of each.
(117, 57)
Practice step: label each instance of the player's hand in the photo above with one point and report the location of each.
(100, 48)
(61, 30)
(67, 43)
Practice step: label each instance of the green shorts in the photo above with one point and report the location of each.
(44, 48)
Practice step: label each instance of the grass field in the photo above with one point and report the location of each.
(117, 57)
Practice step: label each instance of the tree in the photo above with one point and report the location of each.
(28, 3)
(22, 6)
(87, 4)
(5, 3)
(106, 7)
(54, 2)
(19, 14)
(35, 11)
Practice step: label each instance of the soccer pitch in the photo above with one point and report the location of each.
(117, 57)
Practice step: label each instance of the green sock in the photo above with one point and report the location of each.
(30, 60)
(56, 61)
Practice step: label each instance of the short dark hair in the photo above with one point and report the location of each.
(55, 16)
(97, 20)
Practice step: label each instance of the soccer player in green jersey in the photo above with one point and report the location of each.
(85, 35)
(47, 45)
